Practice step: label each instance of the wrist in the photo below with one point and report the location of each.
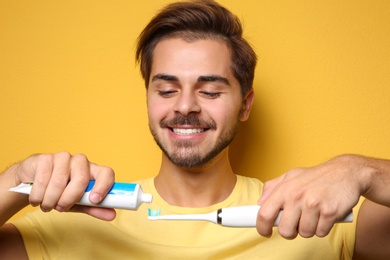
(372, 176)
(360, 169)
(11, 174)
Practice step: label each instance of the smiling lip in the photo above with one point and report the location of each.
(188, 131)
(188, 125)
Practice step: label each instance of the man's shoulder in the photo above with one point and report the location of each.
(250, 181)
(252, 187)
(143, 181)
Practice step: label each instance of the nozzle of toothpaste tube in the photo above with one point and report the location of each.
(121, 195)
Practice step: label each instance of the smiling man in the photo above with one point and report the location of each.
(194, 106)
(198, 73)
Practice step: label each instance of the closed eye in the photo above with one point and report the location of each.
(167, 93)
(211, 94)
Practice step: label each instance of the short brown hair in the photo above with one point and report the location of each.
(204, 19)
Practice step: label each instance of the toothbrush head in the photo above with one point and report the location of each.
(153, 213)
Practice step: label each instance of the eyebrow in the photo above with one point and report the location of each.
(213, 78)
(206, 78)
(165, 77)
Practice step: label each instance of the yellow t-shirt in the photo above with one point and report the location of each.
(132, 236)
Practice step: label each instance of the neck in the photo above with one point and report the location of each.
(196, 187)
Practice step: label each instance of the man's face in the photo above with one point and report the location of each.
(194, 101)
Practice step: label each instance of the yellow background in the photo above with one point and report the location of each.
(68, 82)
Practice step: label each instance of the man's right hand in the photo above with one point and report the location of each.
(59, 181)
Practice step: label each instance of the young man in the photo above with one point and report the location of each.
(198, 72)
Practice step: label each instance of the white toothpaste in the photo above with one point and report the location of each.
(121, 195)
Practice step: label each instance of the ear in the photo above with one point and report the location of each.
(247, 105)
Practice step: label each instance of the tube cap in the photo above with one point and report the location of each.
(147, 198)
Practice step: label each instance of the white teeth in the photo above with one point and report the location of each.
(182, 131)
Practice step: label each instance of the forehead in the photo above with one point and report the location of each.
(179, 56)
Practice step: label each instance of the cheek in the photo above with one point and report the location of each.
(223, 116)
(227, 112)
(156, 111)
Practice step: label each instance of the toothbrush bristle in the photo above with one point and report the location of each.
(154, 212)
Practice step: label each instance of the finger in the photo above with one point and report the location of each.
(324, 226)
(271, 205)
(308, 223)
(79, 180)
(329, 216)
(41, 168)
(58, 181)
(266, 219)
(104, 179)
(289, 222)
(100, 213)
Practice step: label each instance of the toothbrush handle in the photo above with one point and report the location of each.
(246, 216)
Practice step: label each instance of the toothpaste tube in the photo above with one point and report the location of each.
(121, 195)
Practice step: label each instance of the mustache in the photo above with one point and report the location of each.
(190, 119)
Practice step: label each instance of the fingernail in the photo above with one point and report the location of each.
(59, 208)
(95, 198)
(45, 209)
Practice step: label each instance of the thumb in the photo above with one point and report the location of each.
(107, 214)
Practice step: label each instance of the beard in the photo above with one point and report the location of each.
(185, 153)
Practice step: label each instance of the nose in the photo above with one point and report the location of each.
(187, 103)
